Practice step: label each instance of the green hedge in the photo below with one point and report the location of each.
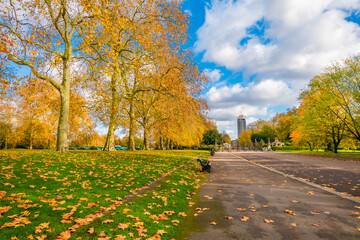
(206, 147)
(287, 148)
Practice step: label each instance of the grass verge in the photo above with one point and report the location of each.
(341, 153)
(43, 193)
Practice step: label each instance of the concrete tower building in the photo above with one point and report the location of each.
(241, 124)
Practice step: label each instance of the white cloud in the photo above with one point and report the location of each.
(188, 12)
(283, 43)
(264, 93)
(304, 36)
(213, 75)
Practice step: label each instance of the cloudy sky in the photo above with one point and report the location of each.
(259, 54)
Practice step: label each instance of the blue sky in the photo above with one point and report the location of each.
(259, 54)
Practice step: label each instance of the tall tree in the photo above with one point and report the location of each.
(44, 35)
(131, 36)
(322, 113)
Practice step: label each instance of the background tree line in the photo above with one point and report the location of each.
(328, 115)
(119, 63)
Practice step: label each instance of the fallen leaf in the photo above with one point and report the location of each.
(265, 206)
(315, 212)
(108, 221)
(315, 225)
(290, 212)
(241, 209)
(310, 193)
(213, 223)
(120, 237)
(245, 219)
(123, 226)
(268, 221)
(228, 217)
(126, 210)
(160, 232)
(91, 230)
(293, 224)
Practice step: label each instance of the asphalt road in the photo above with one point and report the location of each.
(328, 172)
(244, 201)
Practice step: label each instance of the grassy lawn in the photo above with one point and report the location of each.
(346, 153)
(43, 193)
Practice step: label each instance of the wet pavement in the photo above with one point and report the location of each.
(244, 201)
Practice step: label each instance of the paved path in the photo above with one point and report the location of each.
(339, 175)
(239, 189)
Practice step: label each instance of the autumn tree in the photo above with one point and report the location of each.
(37, 111)
(45, 36)
(321, 115)
(130, 36)
(7, 114)
(283, 123)
(226, 138)
(262, 130)
(245, 139)
(341, 83)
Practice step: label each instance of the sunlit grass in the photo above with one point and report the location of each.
(43, 193)
(346, 153)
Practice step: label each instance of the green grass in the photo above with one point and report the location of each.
(43, 193)
(346, 153)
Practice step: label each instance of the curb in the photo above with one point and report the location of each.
(353, 199)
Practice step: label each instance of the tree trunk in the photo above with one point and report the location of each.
(62, 135)
(31, 135)
(309, 146)
(110, 138)
(171, 145)
(131, 143)
(167, 144)
(6, 141)
(161, 143)
(145, 139)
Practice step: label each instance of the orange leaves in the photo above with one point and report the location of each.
(290, 212)
(108, 221)
(126, 210)
(18, 222)
(41, 227)
(160, 232)
(213, 223)
(244, 218)
(208, 197)
(268, 221)
(4, 209)
(182, 214)
(123, 226)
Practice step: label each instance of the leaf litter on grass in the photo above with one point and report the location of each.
(69, 188)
